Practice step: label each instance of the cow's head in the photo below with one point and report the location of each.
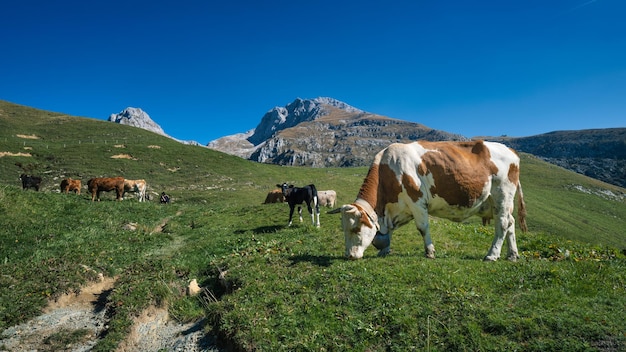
(285, 188)
(359, 228)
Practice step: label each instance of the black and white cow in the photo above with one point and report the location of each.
(30, 182)
(297, 196)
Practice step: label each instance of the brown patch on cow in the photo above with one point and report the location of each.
(412, 189)
(513, 174)
(388, 188)
(365, 219)
(13, 154)
(460, 170)
(369, 188)
(26, 136)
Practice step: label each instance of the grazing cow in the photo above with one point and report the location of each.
(30, 182)
(68, 185)
(327, 198)
(451, 180)
(298, 195)
(136, 186)
(275, 196)
(99, 184)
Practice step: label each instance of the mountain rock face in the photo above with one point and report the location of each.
(597, 153)
(137, 118)
(323, 132)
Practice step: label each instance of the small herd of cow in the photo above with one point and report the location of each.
(452, 180)
(95, 186)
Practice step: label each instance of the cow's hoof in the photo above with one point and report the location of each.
(490, 258)
(513, 257)
(383, 252)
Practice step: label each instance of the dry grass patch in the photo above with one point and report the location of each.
(13, 154)
(154, 146)
(26, 136)
(123, 156)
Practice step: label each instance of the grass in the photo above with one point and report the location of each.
(290, 288)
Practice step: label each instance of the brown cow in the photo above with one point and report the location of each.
(275, 196)
(68, 185)
(99, 184)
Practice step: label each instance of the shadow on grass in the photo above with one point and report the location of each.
(261, 230)
(319, 260)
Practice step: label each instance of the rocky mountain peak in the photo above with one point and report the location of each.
(300, 110)
(137, 118)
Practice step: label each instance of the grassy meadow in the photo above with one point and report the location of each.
(290, 288)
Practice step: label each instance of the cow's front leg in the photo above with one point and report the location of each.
(300, 212)
(291, 209)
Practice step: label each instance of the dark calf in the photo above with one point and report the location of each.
(298, 195)
(30, 182)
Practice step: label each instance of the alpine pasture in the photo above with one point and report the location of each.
(270, 287)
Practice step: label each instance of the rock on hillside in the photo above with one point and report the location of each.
(322, 132)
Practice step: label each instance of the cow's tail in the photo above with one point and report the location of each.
(521, 208)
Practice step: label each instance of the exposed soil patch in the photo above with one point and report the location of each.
(74, 322)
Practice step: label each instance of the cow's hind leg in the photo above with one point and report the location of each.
(504, 228)
(420, 216)
(300, 212)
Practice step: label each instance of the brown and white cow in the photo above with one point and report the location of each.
(136, 186)
(275, 196)
(453, 180)
(99, 184)
(69, 185)
(327, 198)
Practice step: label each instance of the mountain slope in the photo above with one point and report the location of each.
(322, 132)
(597, 153)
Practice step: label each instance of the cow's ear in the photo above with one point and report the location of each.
(279, 186)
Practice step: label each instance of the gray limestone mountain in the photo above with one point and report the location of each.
(137, 118)
(323, 132)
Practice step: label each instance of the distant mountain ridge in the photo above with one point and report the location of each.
(325, 132)
(597, 153)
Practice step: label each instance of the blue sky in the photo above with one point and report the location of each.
(206, 69)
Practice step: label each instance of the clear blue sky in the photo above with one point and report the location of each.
(206, 69)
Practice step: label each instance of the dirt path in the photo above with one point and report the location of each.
(83, 316)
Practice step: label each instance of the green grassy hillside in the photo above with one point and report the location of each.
(290, 288)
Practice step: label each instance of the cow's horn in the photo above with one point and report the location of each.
(334, 211)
